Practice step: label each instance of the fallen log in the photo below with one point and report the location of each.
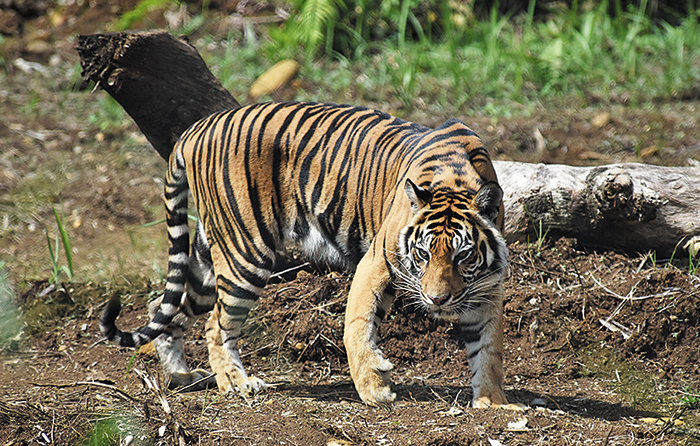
(165, 86)
(628, 207)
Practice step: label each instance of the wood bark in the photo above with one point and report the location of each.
(165, 86)
(629, 207)
(160, 80)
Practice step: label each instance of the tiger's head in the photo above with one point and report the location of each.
(452, 256)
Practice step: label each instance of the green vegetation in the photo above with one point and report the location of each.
(689, 398)
(54, 257)
(144, 7)
(439, 52)
(109, 116)
(10, 317)
(118, 428)
(541, 232)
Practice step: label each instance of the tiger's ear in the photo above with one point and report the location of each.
(418, 196)
(488, 200)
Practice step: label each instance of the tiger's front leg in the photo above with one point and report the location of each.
(481, 333)
(368, 303)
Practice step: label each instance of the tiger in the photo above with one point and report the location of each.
(407, 209)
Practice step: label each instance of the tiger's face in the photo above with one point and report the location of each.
(452, 255)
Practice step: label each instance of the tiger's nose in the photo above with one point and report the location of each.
(438, 300)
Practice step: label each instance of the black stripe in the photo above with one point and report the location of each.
(380, 313)
(473, 355)
(469, 334)
(233, 310)
(232, 289)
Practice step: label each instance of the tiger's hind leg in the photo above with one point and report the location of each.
(170, 349)
(225, 360)
(199, 299)
(223, 329)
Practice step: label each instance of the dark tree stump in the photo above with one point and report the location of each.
(161, 81)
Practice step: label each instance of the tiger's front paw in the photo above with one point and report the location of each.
(496, 399)
(246, 385)
(252, 385)
(373, 381)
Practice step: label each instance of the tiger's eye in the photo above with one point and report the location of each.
(421, 254)
(463, 255)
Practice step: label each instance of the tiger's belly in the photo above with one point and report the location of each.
(317, 248)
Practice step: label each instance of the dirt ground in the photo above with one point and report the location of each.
(603, 347)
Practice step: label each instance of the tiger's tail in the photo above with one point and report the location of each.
(175, 197)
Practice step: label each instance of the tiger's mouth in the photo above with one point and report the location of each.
(457, 306)
(447, 315)
(442, 310)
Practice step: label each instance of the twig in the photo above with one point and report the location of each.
(607, 437)
(633, 298)
(330, 341)
(540, 269)
(616, 327)
(438, 397)
(195, 384)
(289, 270)
(671, 422)
(154, 386)
(322, 307)
(272, 344)
(307, 346)
(88, 383)
(583, 288)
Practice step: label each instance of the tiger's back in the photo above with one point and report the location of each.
(318, 176)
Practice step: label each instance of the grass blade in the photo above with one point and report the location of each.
(66, 245)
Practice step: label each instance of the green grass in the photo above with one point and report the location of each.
(693, 263)
(142, 9)
(57, 269)
(114, 428)
(689, 398)
(10, 316)
(501, 64)
(109, 116)
(32, 194)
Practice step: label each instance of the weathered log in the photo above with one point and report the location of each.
(161, 81)
(165, 86)
(630, 207)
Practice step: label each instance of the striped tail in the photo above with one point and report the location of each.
(176, 190)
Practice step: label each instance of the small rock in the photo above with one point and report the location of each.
(648, 151)
(539, 402)
(454, 411)
(29, 67)
(279, 74)
(517, 426)
(601, 119)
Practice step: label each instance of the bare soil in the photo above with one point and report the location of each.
(603, 347)
(581, 381)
